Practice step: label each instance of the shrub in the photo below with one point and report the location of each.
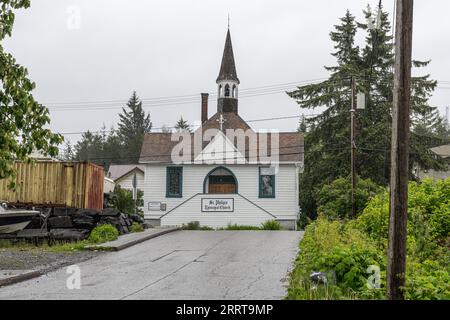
(428, 214)
(137, 227)
(334, 199)
(103, 233)
(329, 246)
(122, 200)
(271, 225)
(239, 227)
(427, 281)
(195, 225)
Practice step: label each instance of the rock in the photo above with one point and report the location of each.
(318, 277)
(328, 277)
(110, 212)
(60, 222)
(31, 233)
(83, 221)
(69, 234)
(35, 223)
(88, 212)
(63, 211)
(137, 218)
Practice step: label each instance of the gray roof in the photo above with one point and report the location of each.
(117, 171)
(442, 151)
(228, 67)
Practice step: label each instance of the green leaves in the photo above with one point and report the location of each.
(23, 119)
(327, 141)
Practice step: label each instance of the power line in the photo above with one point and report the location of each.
(168, 128)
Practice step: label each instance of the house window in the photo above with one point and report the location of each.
(174, 182)
(267, 182)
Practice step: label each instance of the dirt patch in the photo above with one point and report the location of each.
(40, 259)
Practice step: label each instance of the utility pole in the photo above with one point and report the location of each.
(396, 259)
(353, 145)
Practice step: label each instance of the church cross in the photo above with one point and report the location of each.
(221, 121)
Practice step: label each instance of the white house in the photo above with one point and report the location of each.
(123, 175)
(443, 152)
(224, 172)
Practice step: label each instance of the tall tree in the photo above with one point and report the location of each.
(134, 124)
(302, 127)
(327, 142)
(68, 152)
(23, 120)
(182, 126)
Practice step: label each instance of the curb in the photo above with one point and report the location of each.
(20, 277)
(133, 242)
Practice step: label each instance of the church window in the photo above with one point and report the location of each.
(174, 182)
(267, 182)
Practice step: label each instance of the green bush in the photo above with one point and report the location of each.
(428, 280)
(195, 225)
(137, 227)
(103, 233)
(239, 227)
(122, 200)
(428, 214)
(329, 246)
(271, 225)
(334, 199)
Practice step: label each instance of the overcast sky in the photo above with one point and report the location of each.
(166, 48)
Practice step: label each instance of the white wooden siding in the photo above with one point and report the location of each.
(126, 182)
(283, 206)
(245, 213)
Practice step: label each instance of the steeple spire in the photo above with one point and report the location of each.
(228, 68)
(227, 81)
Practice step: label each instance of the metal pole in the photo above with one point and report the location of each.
(396, 260)
(353, 146)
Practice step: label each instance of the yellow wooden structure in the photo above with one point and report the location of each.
(51, 183)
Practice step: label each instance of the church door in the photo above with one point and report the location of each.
(222, 184)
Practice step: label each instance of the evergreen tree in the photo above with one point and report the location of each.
(165, 129)
(327, 154)
(182, 126)
(68, 152)
(302, 125)
(133, 125)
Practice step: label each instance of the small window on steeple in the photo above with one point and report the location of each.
(234, 91)
(227, 90)
(220, 90)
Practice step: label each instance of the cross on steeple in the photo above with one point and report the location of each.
(221, 121)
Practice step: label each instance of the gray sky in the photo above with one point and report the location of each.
(165, 48)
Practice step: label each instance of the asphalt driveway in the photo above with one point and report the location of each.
(179, 265)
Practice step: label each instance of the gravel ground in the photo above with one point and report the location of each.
(40, 259)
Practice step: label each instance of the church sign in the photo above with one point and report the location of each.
(217, 205)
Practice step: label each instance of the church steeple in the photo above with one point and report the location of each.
(227, 80)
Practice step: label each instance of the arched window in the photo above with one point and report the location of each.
(227, 90)
(234, 91)
(220, 90)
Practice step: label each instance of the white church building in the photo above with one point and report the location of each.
(224, 172)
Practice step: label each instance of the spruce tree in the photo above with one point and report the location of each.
(327, 152)
(133, 125)
(182, 126)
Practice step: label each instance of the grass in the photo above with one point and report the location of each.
(136, 227)
(99, 234)
(268, 225)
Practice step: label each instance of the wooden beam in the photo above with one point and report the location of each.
(396, 263)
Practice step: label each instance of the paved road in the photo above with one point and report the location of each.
(179, 265)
